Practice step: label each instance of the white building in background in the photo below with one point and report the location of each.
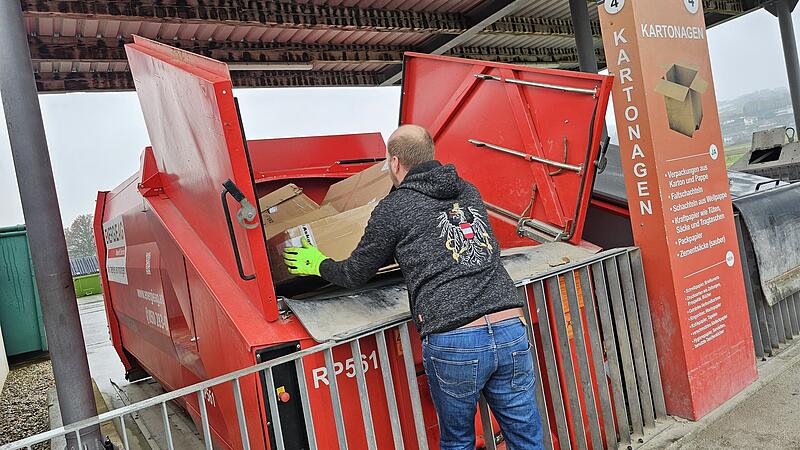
(3, 363)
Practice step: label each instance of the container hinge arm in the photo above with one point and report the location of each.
(245, 216)
(531, 228)
(150, 184)
(602, 161)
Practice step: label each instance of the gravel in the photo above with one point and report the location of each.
(23, 402)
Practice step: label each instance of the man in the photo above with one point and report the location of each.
(463, 301)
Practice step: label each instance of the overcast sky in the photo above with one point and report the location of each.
(95, 139)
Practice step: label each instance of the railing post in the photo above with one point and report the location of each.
(306, 404)
(335, 400)
(204, 419)
(363, 395)
(413, 388)
(167, 430)
(240, 416)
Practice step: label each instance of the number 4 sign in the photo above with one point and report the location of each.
(614, 6)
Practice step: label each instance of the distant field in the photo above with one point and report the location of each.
(734, 152)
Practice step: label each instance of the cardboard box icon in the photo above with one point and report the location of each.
(683, 91)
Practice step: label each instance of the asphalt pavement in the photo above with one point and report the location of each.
(765, 415)
(768, 418)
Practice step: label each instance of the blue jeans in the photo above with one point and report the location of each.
(495, 359)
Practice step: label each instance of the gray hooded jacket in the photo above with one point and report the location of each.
(436, 227)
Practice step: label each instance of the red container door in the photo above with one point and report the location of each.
(528, 138)
(197, 146)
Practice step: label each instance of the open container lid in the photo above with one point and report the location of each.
(527, 138)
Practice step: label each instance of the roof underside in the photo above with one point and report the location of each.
(78, 45)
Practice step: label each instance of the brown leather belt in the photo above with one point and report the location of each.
(497, 317)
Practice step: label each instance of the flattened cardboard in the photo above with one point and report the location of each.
(683, 89)
(280, 208)
(279, 195)
(336, 236)
(363, 188)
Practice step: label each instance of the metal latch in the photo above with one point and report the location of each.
(247, 213)
(247, 216)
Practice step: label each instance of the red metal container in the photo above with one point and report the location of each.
(186, 304)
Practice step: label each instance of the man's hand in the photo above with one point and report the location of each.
(303, 260)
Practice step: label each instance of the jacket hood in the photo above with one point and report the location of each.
(435, 180)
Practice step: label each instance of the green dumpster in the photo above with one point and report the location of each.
(87, 285)
(20, 313)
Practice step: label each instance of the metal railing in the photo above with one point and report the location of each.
(587, 321)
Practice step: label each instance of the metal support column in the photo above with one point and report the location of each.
(584, 40)
(784, 13)
(43, 220)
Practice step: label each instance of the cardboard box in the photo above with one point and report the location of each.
(337, 226)
(683, 89)
(336, 237)
(363, 188)
(280, 207)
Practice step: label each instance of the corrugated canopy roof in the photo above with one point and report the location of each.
(78, 45)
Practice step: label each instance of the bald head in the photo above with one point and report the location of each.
(411, 145)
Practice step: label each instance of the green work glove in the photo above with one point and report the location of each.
(303, 260)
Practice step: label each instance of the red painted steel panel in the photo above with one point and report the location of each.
(312, 162)
(316, 155)
(111, 314)
(189, 110)
(445, 95)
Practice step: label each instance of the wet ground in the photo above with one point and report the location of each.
(109, 375)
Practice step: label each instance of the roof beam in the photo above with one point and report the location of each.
(537, 26)
(291, 15)
(282, 14)
(561, 57)
(123, 81)
(487, 13)
(106, 49)
(111, 50)
(724, 7)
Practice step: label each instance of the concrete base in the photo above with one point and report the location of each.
(107, 430)
(55, 419)
(762, 416)
(151, 423)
